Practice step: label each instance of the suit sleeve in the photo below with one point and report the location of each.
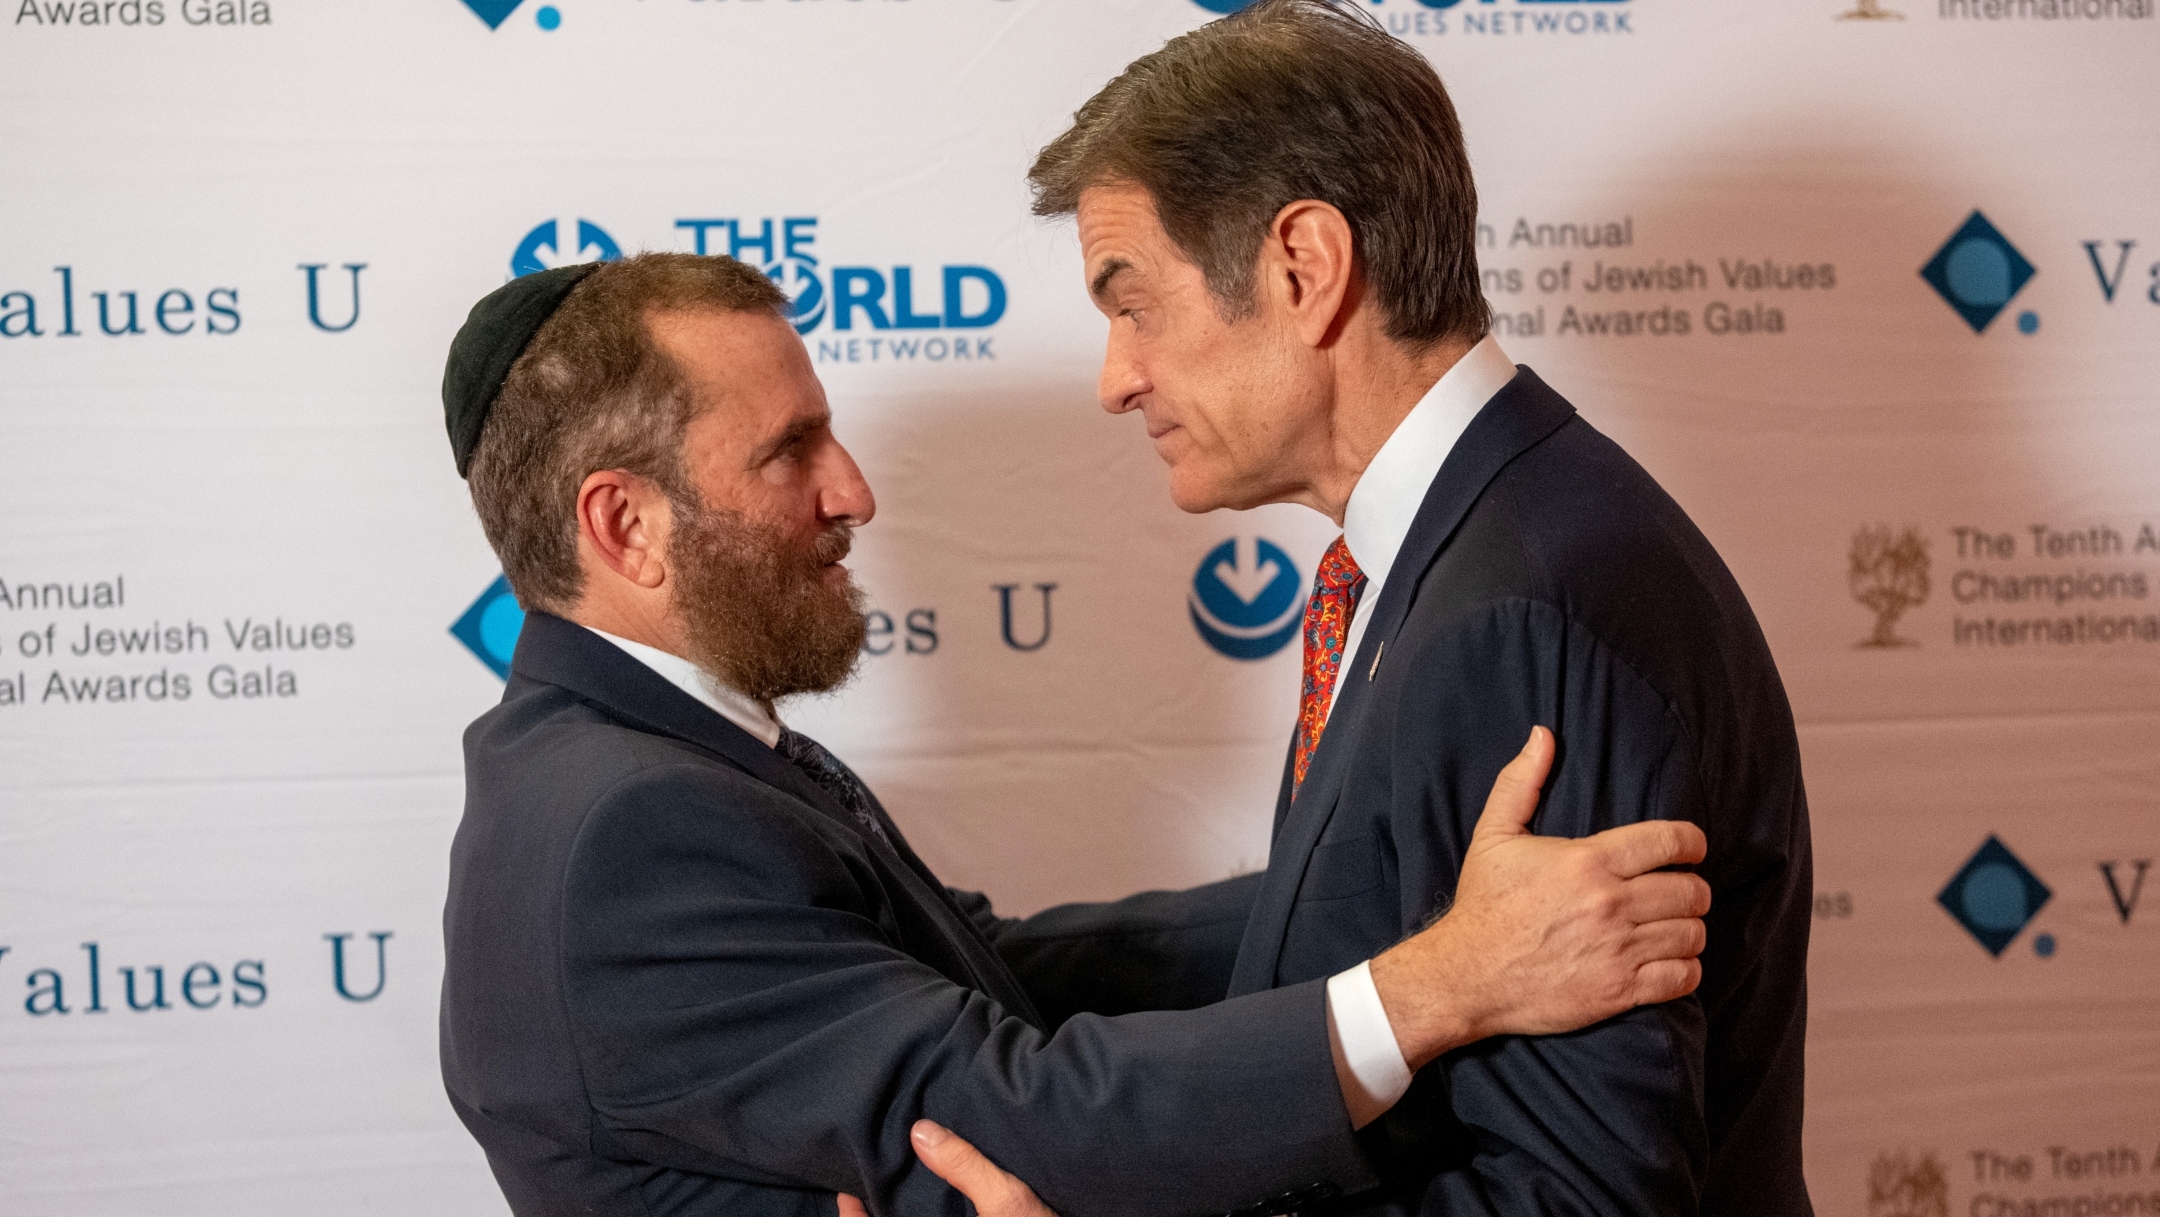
(1610, 1119)
(1153, 951)
(742, 1010)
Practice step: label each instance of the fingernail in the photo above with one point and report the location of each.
(927, 1134)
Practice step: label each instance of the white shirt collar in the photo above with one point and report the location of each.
(1386, 498)
(694, 680)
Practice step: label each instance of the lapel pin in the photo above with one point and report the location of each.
(1374, 670)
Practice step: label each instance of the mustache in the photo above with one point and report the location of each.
(833, 544)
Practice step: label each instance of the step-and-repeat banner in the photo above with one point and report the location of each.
(1872, 286)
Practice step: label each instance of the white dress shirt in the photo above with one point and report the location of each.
(744, 712)
(1368, 1060)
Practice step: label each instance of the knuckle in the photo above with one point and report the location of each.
(1604, 903)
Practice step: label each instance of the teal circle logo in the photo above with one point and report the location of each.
(1995, 897)
(1244, 599)
(546, 247)
(1979, 272)
(806, 292)
(490, 625)
(500, 626)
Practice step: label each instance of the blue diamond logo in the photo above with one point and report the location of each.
(1994, 896)
(489, 629)
(1977, 271)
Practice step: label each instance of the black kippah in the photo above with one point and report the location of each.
(495, 333)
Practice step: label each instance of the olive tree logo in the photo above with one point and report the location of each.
(1889, 575)
(1901, 1187)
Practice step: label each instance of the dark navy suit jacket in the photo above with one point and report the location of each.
(680, 980)
(1547, 579)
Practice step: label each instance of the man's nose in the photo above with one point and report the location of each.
(1123, 381)
(844, 495)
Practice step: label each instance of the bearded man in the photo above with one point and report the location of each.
(692, 967)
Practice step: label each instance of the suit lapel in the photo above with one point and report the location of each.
(563, 653)
(1521, 414)
(1514, 421)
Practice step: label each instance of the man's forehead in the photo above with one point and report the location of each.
(1119, 232)
(1132, 267)
(722, 350)
(747, 368)
(1121, 213)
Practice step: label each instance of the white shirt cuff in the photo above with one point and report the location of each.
(1368, 1062)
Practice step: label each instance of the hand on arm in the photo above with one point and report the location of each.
(1548, 934)
(1545, 935)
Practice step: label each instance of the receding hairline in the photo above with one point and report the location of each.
(654, 313)
(700, 406)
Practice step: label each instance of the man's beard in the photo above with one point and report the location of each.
(761, 614)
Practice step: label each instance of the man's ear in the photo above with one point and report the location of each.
(1309, 261)
(623, 526)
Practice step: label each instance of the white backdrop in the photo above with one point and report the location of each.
(234, 549)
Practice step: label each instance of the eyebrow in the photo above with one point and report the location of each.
(1110, 270)
(795, 431)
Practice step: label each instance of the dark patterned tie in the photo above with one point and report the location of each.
(838, 780)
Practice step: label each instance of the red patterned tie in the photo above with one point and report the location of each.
(1327, 623)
